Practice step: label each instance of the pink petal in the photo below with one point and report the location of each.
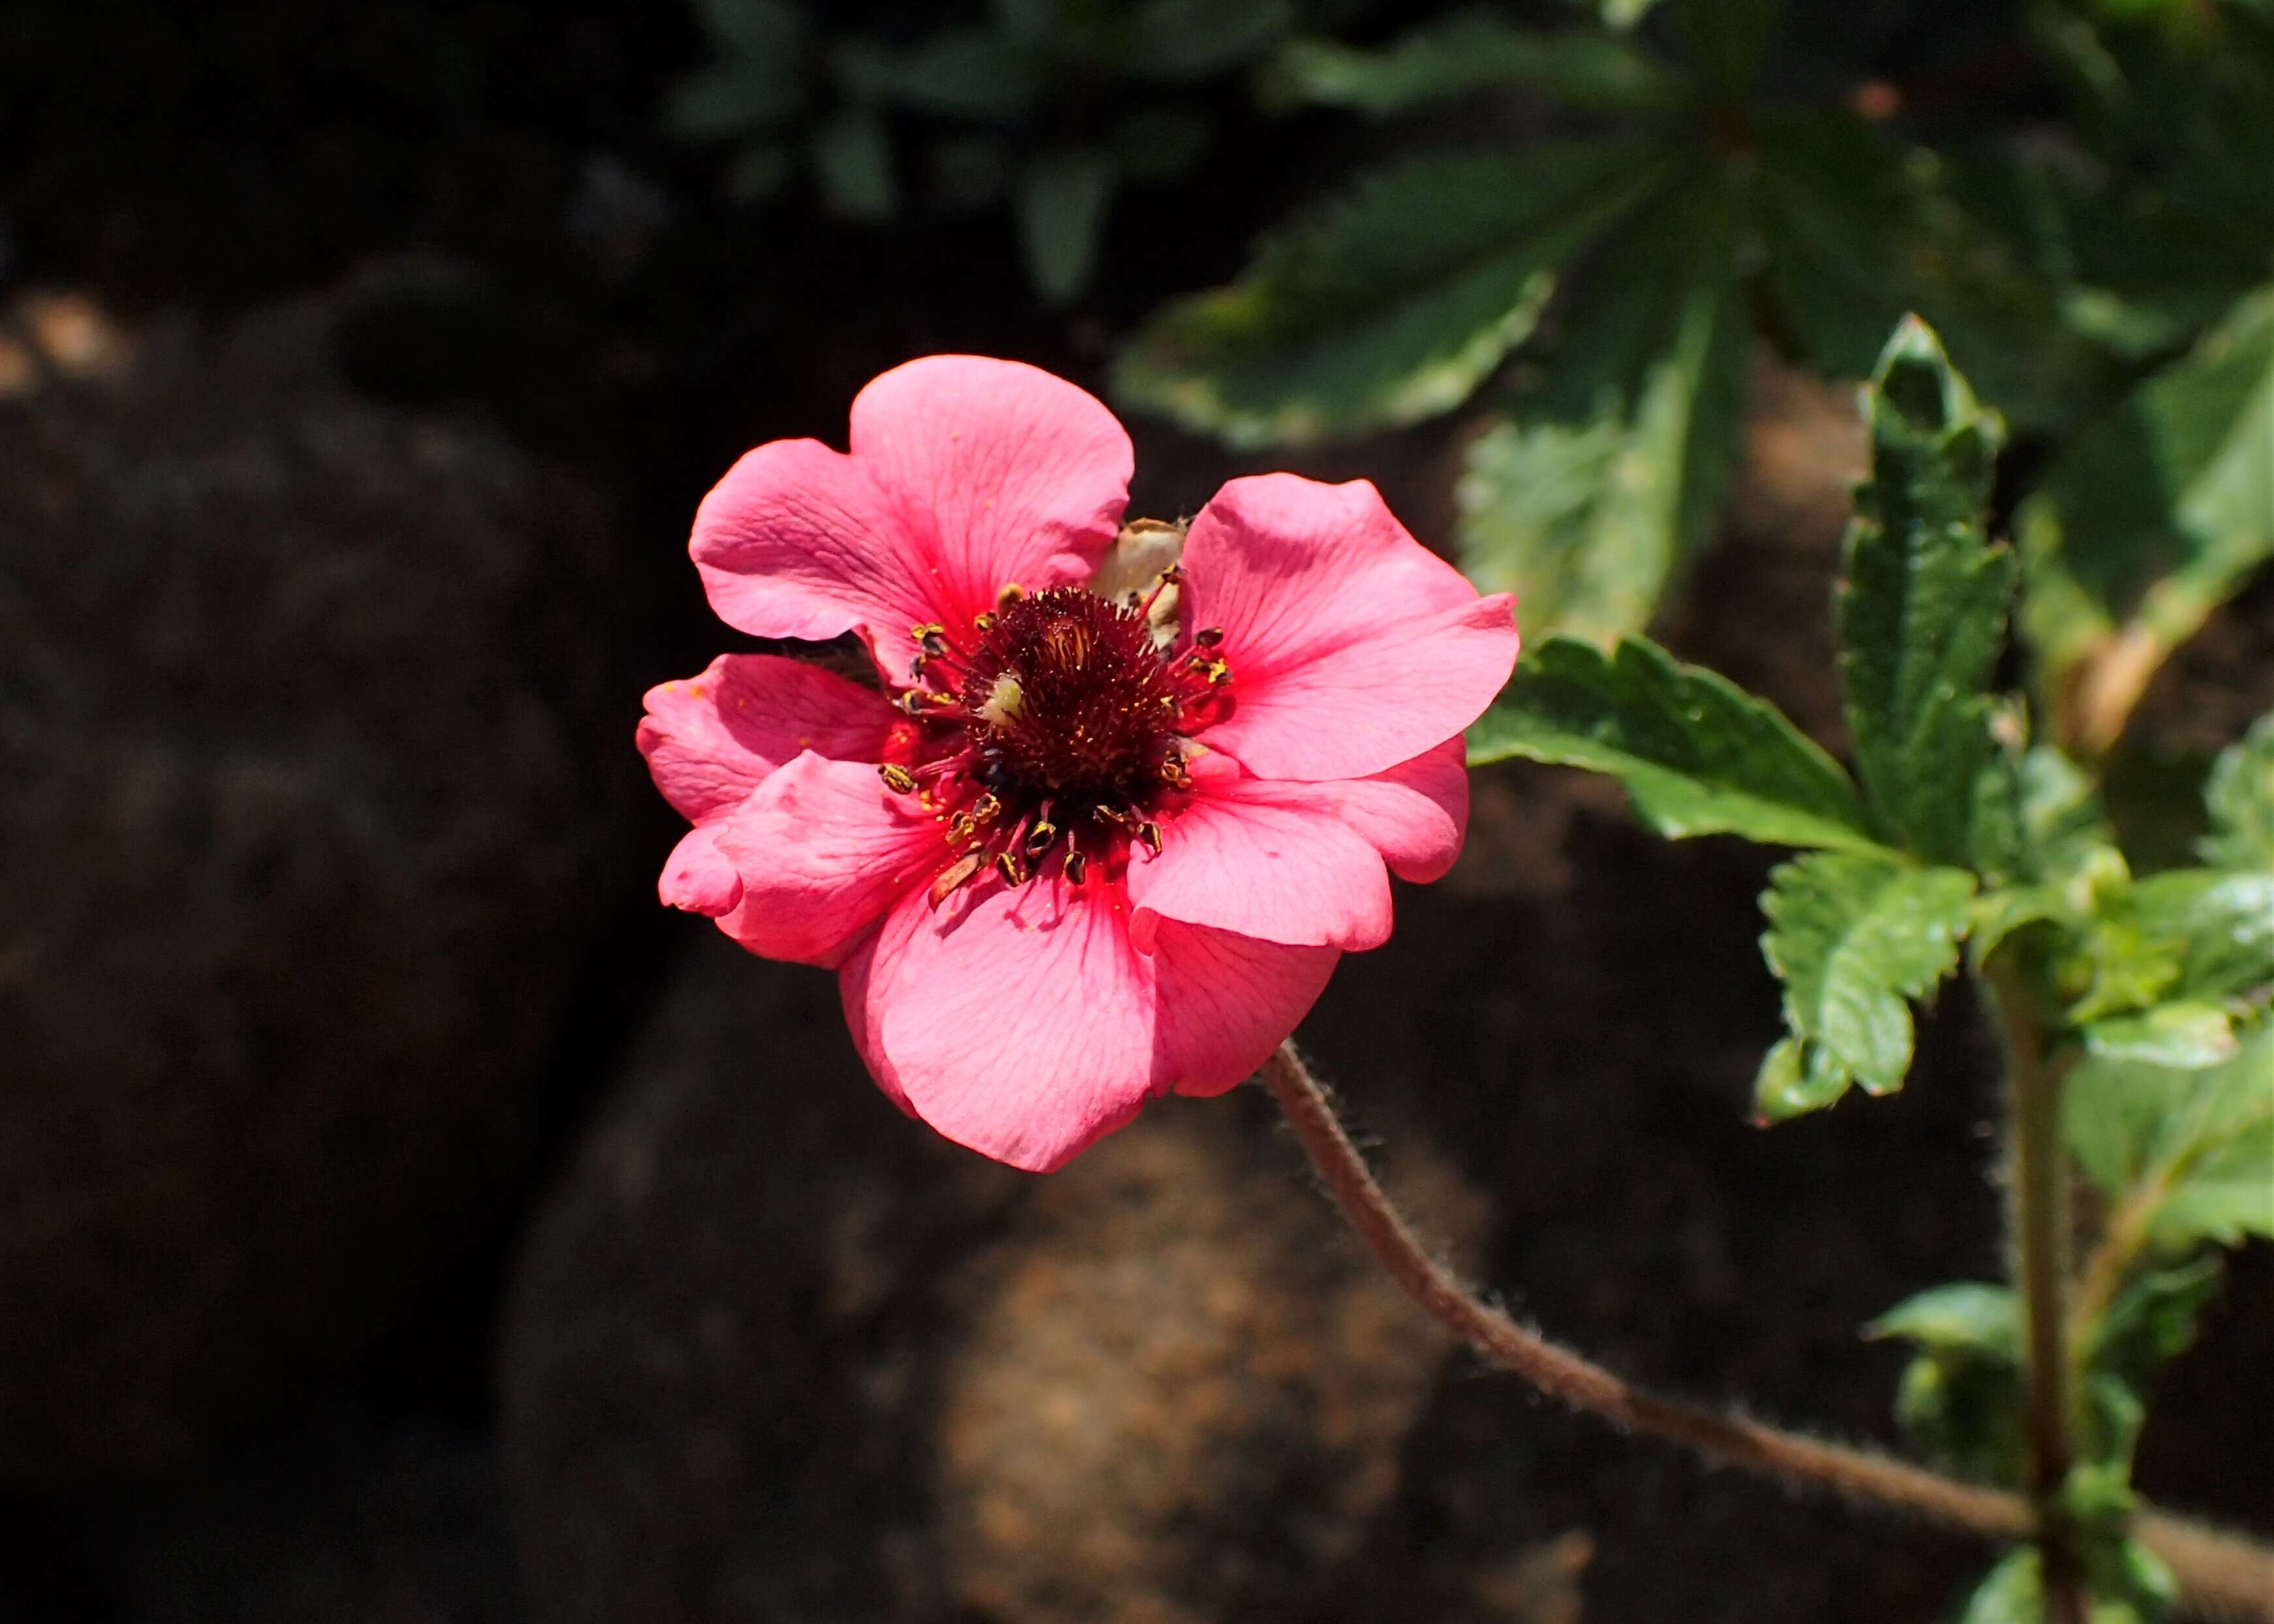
(1018, 1021)
(1024, 1024)
(1415, 814)
(998, 471)
(799, 541)
(1267, 861)
(823, 849)
(711, 739)
(1353, 647)
(698, 876)
(1226, 1002)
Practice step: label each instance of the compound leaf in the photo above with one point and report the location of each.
(1698, 754)
(1388, 304)
(1853, 937)
(1921, 602)
(1593, 495)
(1466, 55)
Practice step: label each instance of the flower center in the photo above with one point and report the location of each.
(1054, 730)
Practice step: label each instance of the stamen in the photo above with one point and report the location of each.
(956, 875)
(1055, 722)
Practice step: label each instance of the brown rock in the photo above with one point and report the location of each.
(778, 1351)
(296, 817)
(1182, 1388)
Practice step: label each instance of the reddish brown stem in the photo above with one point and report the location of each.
(2220, 1575)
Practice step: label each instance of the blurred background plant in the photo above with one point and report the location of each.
(1638, 195)
(1048, 107)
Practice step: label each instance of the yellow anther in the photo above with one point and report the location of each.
(953, 875)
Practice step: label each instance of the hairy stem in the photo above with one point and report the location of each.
(2220, 1575)
(2037, 1227)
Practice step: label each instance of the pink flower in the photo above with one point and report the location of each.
(1114, 815)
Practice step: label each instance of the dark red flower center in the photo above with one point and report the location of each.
(1053, 729)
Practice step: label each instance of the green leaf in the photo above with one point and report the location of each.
(1159, 144)
(1179, 40)
(852, 161)
(2228, 1192)
(1063, 197)
(1922, 601)
(2183, 1036)
(1589, 503)
(1624, 14)
(2153, 1319)
(1860, 230)
(972, 72)
(1786, 1086)
(730, 98)
(2197, 1144)
(1698, 754)
(762, 29)
(1388, 304)
(2150, 518)
(2220, 925)
(1466, 54)
(2013, 1592)
(1853, 937)
(1966, 1315)
(1960, 1400)
(2129, 1586)
(2239, 796)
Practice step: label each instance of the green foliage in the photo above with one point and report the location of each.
(1064, 104)
(853, 166)
(1464, 55)
(2193, 1147)
(2130, 1585)
(1596, 492)
(1697, 754)
(1062, 197)
(1966, 1316)
(1593, 482)
(2239, 797)
(2150, 518)
(1922, 604)
(1860, 230)
(1389, 303)
(1960, 1399)
(1853, 937)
